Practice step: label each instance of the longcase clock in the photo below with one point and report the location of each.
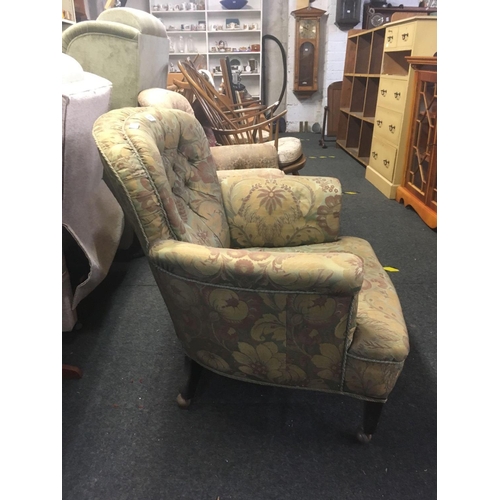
(307, 35)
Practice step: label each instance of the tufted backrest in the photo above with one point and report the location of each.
(159, 166)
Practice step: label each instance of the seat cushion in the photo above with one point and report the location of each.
(245, 156)
(289, 150)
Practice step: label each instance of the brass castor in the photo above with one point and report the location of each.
(183, 403)
(362, 437)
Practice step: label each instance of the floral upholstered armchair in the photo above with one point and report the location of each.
(259, 285)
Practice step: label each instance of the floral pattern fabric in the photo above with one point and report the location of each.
(282, 212)
(162, 159)
(257, 281)
(285, 322)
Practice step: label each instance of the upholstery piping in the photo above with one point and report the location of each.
(347, 329)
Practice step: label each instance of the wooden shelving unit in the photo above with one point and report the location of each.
(358, 98)
(374, 102)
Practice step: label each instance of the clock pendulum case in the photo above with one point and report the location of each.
(307, 35)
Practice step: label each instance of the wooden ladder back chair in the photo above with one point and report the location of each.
(232, 92)
(230, 124)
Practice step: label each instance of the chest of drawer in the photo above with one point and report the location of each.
(392, 94)
(383, 158)
(388, 125)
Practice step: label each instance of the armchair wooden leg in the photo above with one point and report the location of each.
(186, 394)
(371, 415)
(71, 372)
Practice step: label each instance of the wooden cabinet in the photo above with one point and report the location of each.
(419, 186)
(358, 99)
(375, 98)
(206, 31)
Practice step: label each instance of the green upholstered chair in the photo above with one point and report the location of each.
(258, 282)
(128, 47)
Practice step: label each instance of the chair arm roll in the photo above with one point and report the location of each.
(244, 156)
(334, 273)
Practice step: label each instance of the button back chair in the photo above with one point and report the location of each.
(229, 157)
(258, 283)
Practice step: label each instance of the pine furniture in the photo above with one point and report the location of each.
(375, 98)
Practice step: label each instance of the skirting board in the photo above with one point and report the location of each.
(381, 183)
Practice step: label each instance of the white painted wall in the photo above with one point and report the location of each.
(331, 65)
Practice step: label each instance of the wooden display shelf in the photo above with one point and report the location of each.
(375, 64)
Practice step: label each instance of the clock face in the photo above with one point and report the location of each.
(377, 20)
(308, 28)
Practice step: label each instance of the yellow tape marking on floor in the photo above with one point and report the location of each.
(391, 269)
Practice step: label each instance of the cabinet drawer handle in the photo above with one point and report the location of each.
(383, 92)
(397, 95)
(375, 155)
(405, 36)
(387, 163)
(379, 123)
(392, 128)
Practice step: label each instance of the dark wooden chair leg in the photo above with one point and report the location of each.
(371, 415)
(71, 372)
(323, 130)
(186, 394)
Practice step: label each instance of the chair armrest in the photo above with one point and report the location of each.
(281, 212)
(338, 273)
(244, 156)
(264, 172)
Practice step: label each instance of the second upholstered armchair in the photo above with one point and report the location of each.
(128, 47)
(258, 282)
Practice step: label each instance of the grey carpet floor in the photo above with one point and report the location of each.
(124, 438)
